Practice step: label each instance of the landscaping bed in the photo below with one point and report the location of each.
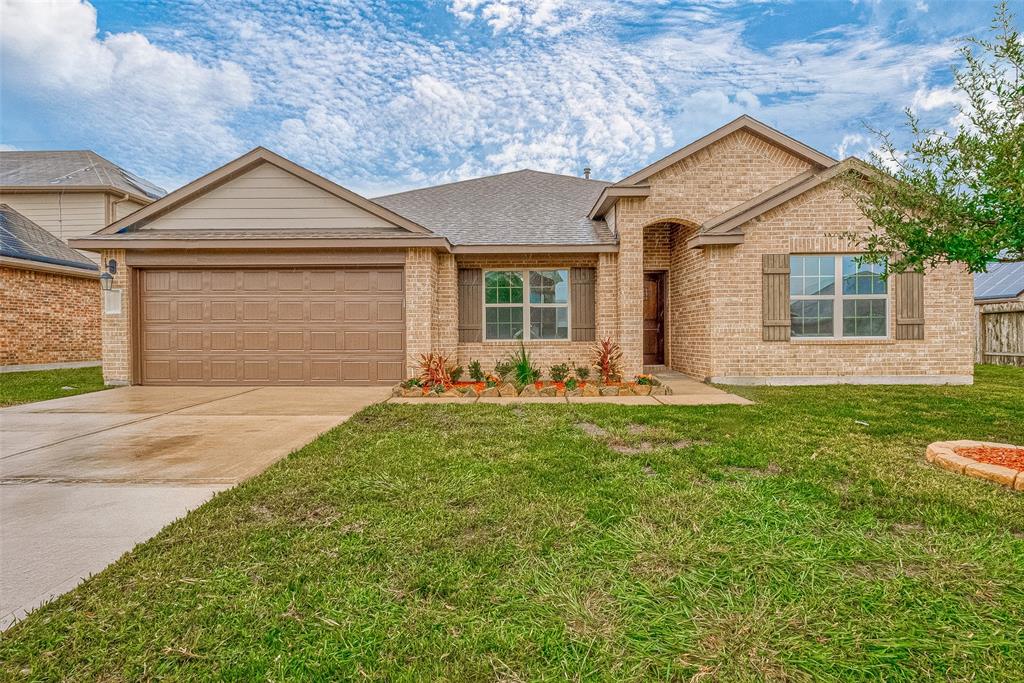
(517, 375)
(998, 462)
(545, 389)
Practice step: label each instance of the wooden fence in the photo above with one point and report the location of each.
(1000, 333)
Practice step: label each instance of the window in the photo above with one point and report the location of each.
(543, 313)
(819, 307)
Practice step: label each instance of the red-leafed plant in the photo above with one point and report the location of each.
(607, 358)
(434, 369)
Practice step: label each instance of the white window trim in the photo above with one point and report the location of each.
(526, 305)
(837, 299)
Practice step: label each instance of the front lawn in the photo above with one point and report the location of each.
(782, 541)
(42, 385)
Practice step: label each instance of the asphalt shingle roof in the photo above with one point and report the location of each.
(1004, 280)
(22, 239)
(70, 169)
(521, 207)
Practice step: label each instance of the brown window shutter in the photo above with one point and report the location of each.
(909, 305)
(775, 296)
(471, 305)
(583, 302)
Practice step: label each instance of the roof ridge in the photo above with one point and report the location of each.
(486, 177)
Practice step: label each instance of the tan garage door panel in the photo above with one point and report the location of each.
(284, 326)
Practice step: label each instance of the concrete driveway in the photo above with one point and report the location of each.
(85, 478)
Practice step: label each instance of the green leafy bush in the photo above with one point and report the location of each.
(504, 369)
(571, 384)
(476, 373)
(559, 372)
(456, 373)
(582, 373)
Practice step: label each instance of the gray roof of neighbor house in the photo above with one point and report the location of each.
(46, 170)
(20, 238)
(1003, 280)
(517, 208)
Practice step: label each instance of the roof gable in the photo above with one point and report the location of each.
(746, 123)
(263, 190)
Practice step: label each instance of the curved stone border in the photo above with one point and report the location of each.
(942, 454)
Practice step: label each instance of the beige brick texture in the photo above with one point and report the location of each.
(48, 317)
(812, 223)
(116, 327)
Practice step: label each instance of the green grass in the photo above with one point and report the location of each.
(42, 385)
(784, 541)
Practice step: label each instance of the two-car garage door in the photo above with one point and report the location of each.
(271, 326)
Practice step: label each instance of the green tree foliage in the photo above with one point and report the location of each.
(958, 196)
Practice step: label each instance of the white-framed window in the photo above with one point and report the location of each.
(526, 304)
(837, 296)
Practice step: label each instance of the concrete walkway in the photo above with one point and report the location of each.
(686, 391)
(85, 478)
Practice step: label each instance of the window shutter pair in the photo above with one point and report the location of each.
(909, 299)
(471, 304)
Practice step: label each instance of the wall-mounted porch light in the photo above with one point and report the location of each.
(107, 278)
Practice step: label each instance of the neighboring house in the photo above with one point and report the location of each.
(723, 260)
(999, 305)
(71, 193)
(49, 299)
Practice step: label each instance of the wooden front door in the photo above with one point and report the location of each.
(654, 318)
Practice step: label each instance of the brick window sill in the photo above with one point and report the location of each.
(843, 342)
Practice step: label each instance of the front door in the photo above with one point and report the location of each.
(654, 318)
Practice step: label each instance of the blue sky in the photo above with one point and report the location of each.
(387, 96)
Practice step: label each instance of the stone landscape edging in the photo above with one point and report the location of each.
(943, 454)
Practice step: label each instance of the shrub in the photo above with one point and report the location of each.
(559, 372)
(646, 379)
(412, 383)
(571, 384)
(582, 373)
(607, 358)
(523, 368)
(476, 373)
(434, 369)
(455, 373)
(502, 369)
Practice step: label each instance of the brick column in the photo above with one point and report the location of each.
(607, 296)
(631, 294)
(116, 327)
(445, 333)
(420, 279)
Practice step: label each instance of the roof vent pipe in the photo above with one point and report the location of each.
(586, 173)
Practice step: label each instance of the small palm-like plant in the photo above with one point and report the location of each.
(523, 368)
(434, 369)
(607, 358)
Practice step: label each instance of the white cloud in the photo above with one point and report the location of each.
(163, 101)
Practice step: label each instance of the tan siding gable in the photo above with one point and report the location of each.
(122, 209)
(66, 215)
(267, 197)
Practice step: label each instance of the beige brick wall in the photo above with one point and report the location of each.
(420, 285)
(811, 224)
(544, 353)
(726, 173)
(116, 327)
(48, 317)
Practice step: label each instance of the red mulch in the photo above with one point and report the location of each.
(995, 455)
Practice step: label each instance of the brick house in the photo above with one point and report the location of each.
(49, 299)
(724, 260)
